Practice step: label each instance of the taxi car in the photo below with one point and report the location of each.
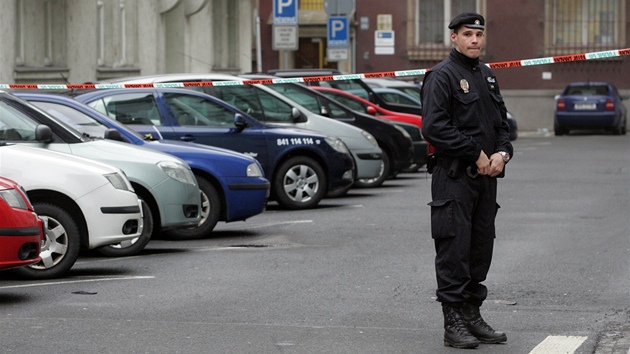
(302, 166)
(165, 183)
(21, 232)
(232, 184)
(590, 105)
(394, 141)
(84, 204)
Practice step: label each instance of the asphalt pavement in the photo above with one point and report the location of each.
(355, 275)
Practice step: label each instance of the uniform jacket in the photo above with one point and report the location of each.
(462, 109)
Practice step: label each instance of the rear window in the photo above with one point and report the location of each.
(588, 90)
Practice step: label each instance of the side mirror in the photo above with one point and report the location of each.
(43, 134)
(240, 122)
(113, 134)
(371, 110)
(297, 116)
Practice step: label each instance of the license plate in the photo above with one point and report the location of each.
(585, 106)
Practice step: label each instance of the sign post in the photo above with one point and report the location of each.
(285, 27)
(338, 38)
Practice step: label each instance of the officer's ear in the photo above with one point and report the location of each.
(453, 36)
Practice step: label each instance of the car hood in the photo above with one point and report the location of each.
(36, 168)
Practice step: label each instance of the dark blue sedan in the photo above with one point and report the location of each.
(232, 185)
(302, 165)
(590, 105)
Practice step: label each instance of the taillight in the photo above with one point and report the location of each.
(561, 105)
(610, 105)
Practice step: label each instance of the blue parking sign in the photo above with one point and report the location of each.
(285, 12)
(338, 32)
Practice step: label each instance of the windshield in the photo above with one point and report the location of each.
(77, 119)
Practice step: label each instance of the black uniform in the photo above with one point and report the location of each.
(463, 113)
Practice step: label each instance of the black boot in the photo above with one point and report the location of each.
(455, 332)
(478, 327)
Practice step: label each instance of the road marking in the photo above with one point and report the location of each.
(75, 281)
(558, 344)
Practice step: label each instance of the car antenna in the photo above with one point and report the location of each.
(65, 79)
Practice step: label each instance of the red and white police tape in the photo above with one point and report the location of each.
(506, 64)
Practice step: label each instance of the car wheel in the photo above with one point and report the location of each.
(299, 183)
(210, 213)
(60, 249)
(134, 246)
(376, 181)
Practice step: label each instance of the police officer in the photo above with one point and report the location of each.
(465, 120)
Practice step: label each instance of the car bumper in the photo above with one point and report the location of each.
(420, 149)
(368, 164)
(179, 203)
(122, 209)
(587, 120)
(21, 246)
(245, 197)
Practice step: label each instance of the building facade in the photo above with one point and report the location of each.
(54, 41)
(77, 41)
(515, 30)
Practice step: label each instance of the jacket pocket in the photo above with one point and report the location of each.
(442, 223)
(463, 111)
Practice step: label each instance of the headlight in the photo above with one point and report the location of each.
(337, 144)
(370, 138)
(177, 172)
(13, 198)
(253, 170)
(118, 181)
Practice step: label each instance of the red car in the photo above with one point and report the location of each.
(362, 105)
(21, 231)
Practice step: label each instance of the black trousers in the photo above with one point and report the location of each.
(463, 212)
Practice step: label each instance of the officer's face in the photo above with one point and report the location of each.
(468, 41)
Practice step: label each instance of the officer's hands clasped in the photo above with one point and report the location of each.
(492, 166)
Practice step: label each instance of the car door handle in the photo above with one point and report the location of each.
(187, 138)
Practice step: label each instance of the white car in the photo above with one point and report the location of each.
(164, 182)
(270, 107)
(84, 204)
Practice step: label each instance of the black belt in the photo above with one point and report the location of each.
(455, 168)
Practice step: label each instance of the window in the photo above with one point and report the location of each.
(430, 34)
(133, 108)
(194, 110)
(584, 25)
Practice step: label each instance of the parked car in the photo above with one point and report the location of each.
(394, 141)
(301, 165)
(84, 204)
(21, 231)
(513, 126)
(403, 119)
(396, 96)
(412, 89)
(269, 107)
(232, 184)
(165, 183)
(356, 86)
(590, 105)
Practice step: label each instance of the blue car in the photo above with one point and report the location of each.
(590, 105)
(302, 165)
(232, 185)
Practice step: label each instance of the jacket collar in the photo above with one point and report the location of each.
(461, 59)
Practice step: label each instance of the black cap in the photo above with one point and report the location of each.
(468, 19)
